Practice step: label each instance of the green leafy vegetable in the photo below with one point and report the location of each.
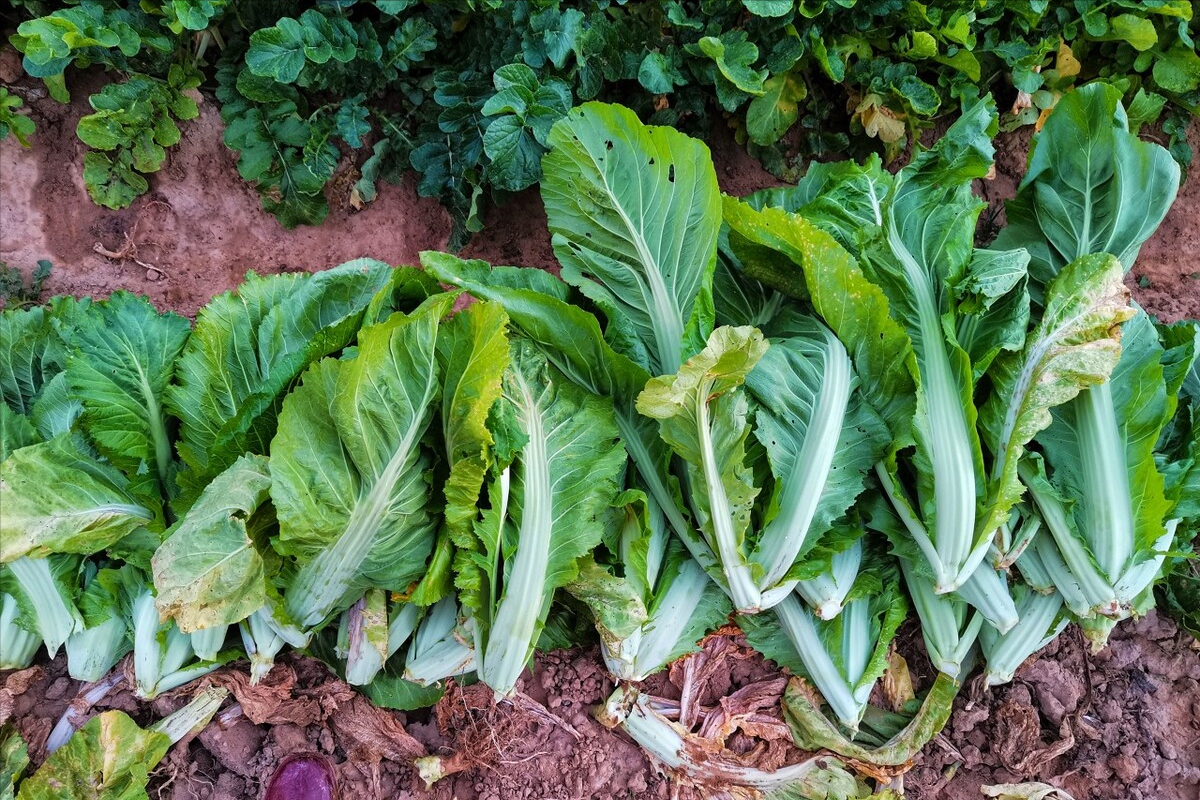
(557, 471)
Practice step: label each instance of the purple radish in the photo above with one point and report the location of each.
(305, 776)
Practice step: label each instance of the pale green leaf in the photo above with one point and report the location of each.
(473, 353)
(1076, 344)
(1091, 186)
(704, 416)
(208, 573)
(109, 758)
(634, 211)
(545, 509)
(123, 355)
(247, 349)
(59, 499)
(348, 465)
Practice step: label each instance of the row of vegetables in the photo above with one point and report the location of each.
(802, 411)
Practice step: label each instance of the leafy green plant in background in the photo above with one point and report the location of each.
(129, 132)
(14, 292)
(12, 120)
(465, 92)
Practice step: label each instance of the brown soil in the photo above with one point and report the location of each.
(1123, 724)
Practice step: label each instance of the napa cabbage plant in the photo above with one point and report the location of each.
(646, 582)
(844, 656)
(932, 316)
(1108, 498)
(558, 467)
(348, 468)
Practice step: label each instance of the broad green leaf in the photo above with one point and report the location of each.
(993, 306)
(791, 254)
(634, 212)
(208, 572)
(472, 354)
(659, 72)
(109, 758)
(770, 115)
(1091, 186)
(514, 153)
(769, 8)
(123, 356)
(263, 124)
(57, 409)
(348, 465)
(544, 510)
(31, 351)
(1137, 30)
(1178, 69)
(58, 498)
(14, 758)
(16, 431)
(571, 339)
(820, 438)
(389, 689)
(704, 416)
(248, 347)
(734, 56)
(1076, 344)
(278, 51)
(409, 43)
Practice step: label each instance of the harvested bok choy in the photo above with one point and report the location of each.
(1099, 485)
(844, 656)
(661, 580)
(348, 469)
(558, 464)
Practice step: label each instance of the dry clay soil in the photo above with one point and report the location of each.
(1124, 724)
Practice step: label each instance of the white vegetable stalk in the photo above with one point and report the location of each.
(441, 647)
(1041, 621)
(263, 638)
(76, 713)
(1107, 522)
(1014, 538)
(207, 642)
(56, 619)
(161, 652)
(1090, 579)
(743, 590)
(193, 717)
(92, 652)
(987, 591)
(948, 625)
(786, 533)
(1043, 568)
(403, 624)
(841, 685)
(363, 637)
(648, 649)
(945, 427)
(669, 744)
(17, 645)
(826, 593)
